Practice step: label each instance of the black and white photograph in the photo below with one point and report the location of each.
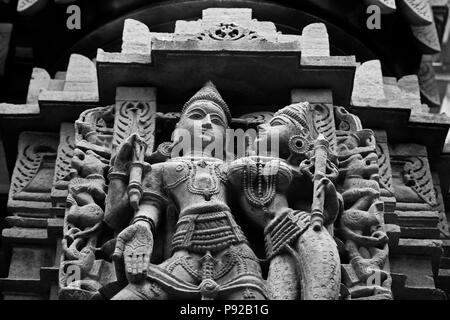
(224, 154)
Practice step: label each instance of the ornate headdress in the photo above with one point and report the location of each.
(209, 92)
(296, 115)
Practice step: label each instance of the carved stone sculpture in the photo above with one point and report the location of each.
(166, 219)
(298, 244)
(211, 257)
(361, 224)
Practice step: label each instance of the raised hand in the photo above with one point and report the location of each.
(327, 190)
(124, 155)
(135, 245)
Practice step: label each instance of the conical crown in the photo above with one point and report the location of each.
(297, 114)
(209, 92)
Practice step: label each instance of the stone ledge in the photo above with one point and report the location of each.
(121, 58)
(428, 247)
(71, 96)
(417, 218)
(26, 235)
(430, 118)
(23, 222)
(420, 233)
(7, 109)
(23, 286)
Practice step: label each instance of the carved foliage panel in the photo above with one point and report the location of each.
(63, 164)
(135, 113)
(385, 172)
(412, 180)
(33, 174)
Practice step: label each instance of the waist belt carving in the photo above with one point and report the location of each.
(207, 289)
(207, 232)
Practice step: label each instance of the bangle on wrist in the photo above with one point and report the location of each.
(146, 219)
(117, 175)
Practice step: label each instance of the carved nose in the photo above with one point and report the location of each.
(207, 124)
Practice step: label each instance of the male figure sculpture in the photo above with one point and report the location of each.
(210, 254)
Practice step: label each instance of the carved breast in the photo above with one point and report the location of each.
(278, 170)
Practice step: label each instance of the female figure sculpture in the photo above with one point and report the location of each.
(303, 261)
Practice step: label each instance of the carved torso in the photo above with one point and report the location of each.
(197, 186)
(264, 183)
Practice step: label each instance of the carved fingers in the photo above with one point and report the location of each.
(135, 245)
(124, 154)
(332, 206)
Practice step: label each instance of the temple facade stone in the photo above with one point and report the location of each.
(226, 151)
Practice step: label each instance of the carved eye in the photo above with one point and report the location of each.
(217, 121)
(195, 116)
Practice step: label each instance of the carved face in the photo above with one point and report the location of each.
(274, 139)
(276, 134)
(203, 120)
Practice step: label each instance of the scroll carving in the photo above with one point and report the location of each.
(134, 117)
(417, 177)
(228, 32)
(324, 123)
(413, 184)
(385, 169)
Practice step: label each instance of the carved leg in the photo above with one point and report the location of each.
(320, 272)
(282, 280)
(147, 290)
